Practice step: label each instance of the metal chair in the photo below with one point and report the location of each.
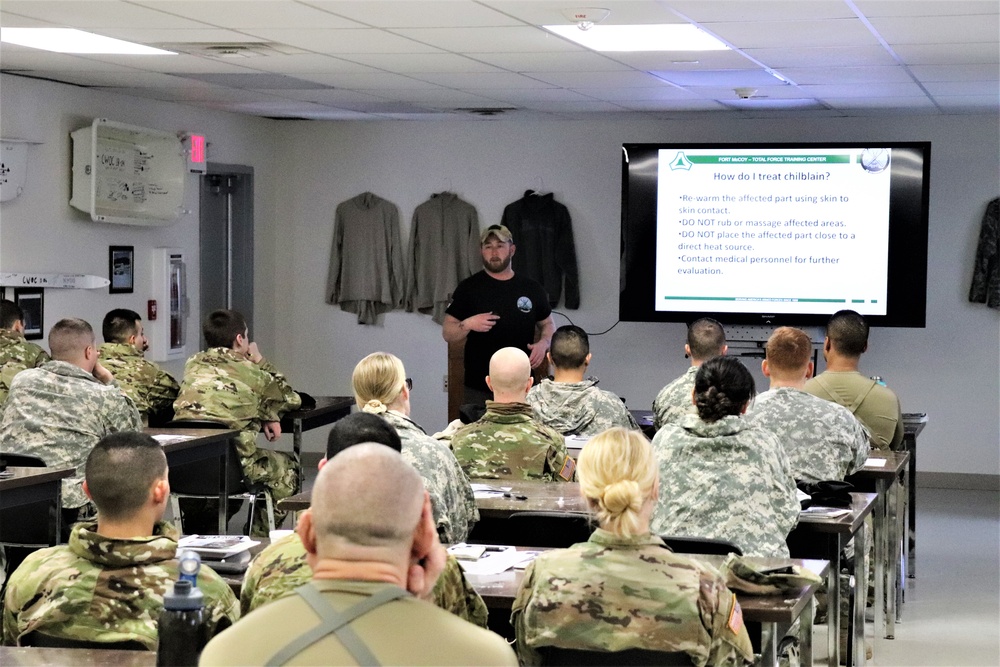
(25, 526)
(555, 656)
(556, 530)
(20, 461)
(39, 640)
(700, 545)
(201, 479)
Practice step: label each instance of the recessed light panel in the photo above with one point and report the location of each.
(68, 40)
(665, 37)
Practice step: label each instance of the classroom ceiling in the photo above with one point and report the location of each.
(373, 59)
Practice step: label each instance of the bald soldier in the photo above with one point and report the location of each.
(705, 339)
(372, 545)
(16, 353)
(281, 568)
(59, 411)
(107, 584)
(508, 442)
(823, 440)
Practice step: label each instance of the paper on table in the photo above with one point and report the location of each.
(875, 463)
(801, 495)
(170, 437)
(216, 545)
(825, 512)
(492, 562)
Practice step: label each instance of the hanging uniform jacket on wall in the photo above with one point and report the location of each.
(543, 234)
(444, 251)
(366, 260)
(986, 275)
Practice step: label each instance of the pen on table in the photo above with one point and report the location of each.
(514, 496)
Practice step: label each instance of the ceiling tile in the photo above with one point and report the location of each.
(810, 34)
(409, 63)
(522, 95)
(865, 90)
(489, 40)
(938, 29)
(687, 103)
(874, 8)
(300, 64)
(763, 10)
(942, 88)
(956, 72)
(734, 77)
(835, 75)
(9, 20)
(685, 60)
(572, 107)
(598, 79)
(916, 102)
(21, 57)
(549, 12)
(251, 13)
(178, 64)
(336, 97)
(384, 14)
(363, 40)
(626, 95)
(202, 35)
(368, 80)
(484, 80)
(949, 54)
(117, 78)
(436, 97)
(983, 103)
(571, 61)
(829, 56)
(96, 14)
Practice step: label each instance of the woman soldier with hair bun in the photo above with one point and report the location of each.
(623, 589)
(722, 477)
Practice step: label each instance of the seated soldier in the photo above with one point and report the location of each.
(823, 440)
(508, 442)
(373, 550)
(705, 339)
(874, 404)
(59, 411)
(16, 353)
(281, 568)
(568, 402)
(381, 387)
(107, 584)
(720, 476)
(231, 382)
(624, 589)
(151, 388)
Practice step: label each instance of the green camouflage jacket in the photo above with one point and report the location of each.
(281, 568)
(454, 505)
(616, 593)
(105, 590)
(222, 385)
(726, 480)
(16, 354)
(674, 401)
(578, 408)
(508, 443)
(823, 440)
(58, 413)
(151, 388)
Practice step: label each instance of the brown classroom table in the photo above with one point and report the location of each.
(773, 612)
(913, 424)
(28, 486)
(889, 528)
(328, 410)
(189, 445)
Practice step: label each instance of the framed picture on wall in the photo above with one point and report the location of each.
(121, 269)
(32, 302)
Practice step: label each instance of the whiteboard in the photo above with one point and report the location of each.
(127, 174)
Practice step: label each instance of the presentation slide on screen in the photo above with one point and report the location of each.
(793, 230)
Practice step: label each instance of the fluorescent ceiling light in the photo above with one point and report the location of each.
(68, 40)
(666, 37)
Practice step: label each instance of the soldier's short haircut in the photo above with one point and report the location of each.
(706, 338)
(361, 427)
(121, 468)
(10, 314)
(848, 332)
(788, 349)
(69, 337)
(570, 347)
(722, 386)
(119, 324)
(221, 328)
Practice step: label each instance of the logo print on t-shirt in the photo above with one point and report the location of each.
(524, 304)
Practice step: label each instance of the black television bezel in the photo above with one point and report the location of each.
(909, 198)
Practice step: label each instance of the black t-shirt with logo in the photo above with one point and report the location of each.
(520, 303)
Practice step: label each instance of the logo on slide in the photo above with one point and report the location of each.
(524, 304)
(680, 162)
(874, 160)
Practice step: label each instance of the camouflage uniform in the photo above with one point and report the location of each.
(222, 385)
(16, 354)
(151, 388)
(875, 405)
(454, 505)
(823, 440)
(507, 443)
(58, 413)
(281, 568)
(616, 593)
(727, 480)
(578, 408)
(102, 589)
(674, 401)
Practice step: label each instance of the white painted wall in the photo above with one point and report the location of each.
(950, 369)
(41, 232)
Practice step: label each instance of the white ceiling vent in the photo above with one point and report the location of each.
(234, 50)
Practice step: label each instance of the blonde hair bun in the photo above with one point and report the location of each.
(621, 496)
(375, 407)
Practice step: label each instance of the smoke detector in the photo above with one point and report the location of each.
(485, 111)
(745, 93)
(586, 17)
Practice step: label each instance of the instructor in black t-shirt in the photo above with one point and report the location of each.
(494, 309)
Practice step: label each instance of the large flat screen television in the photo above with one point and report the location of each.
(775, 233)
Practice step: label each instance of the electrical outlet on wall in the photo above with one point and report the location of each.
(445, 383)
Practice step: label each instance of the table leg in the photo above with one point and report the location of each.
(881, 537)
(769, 649)
(860, 596)
(911, 483)
(833, 605)
(806, 633)
(56, 536)
(297, 449)
(224, 491)
(899, 523)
